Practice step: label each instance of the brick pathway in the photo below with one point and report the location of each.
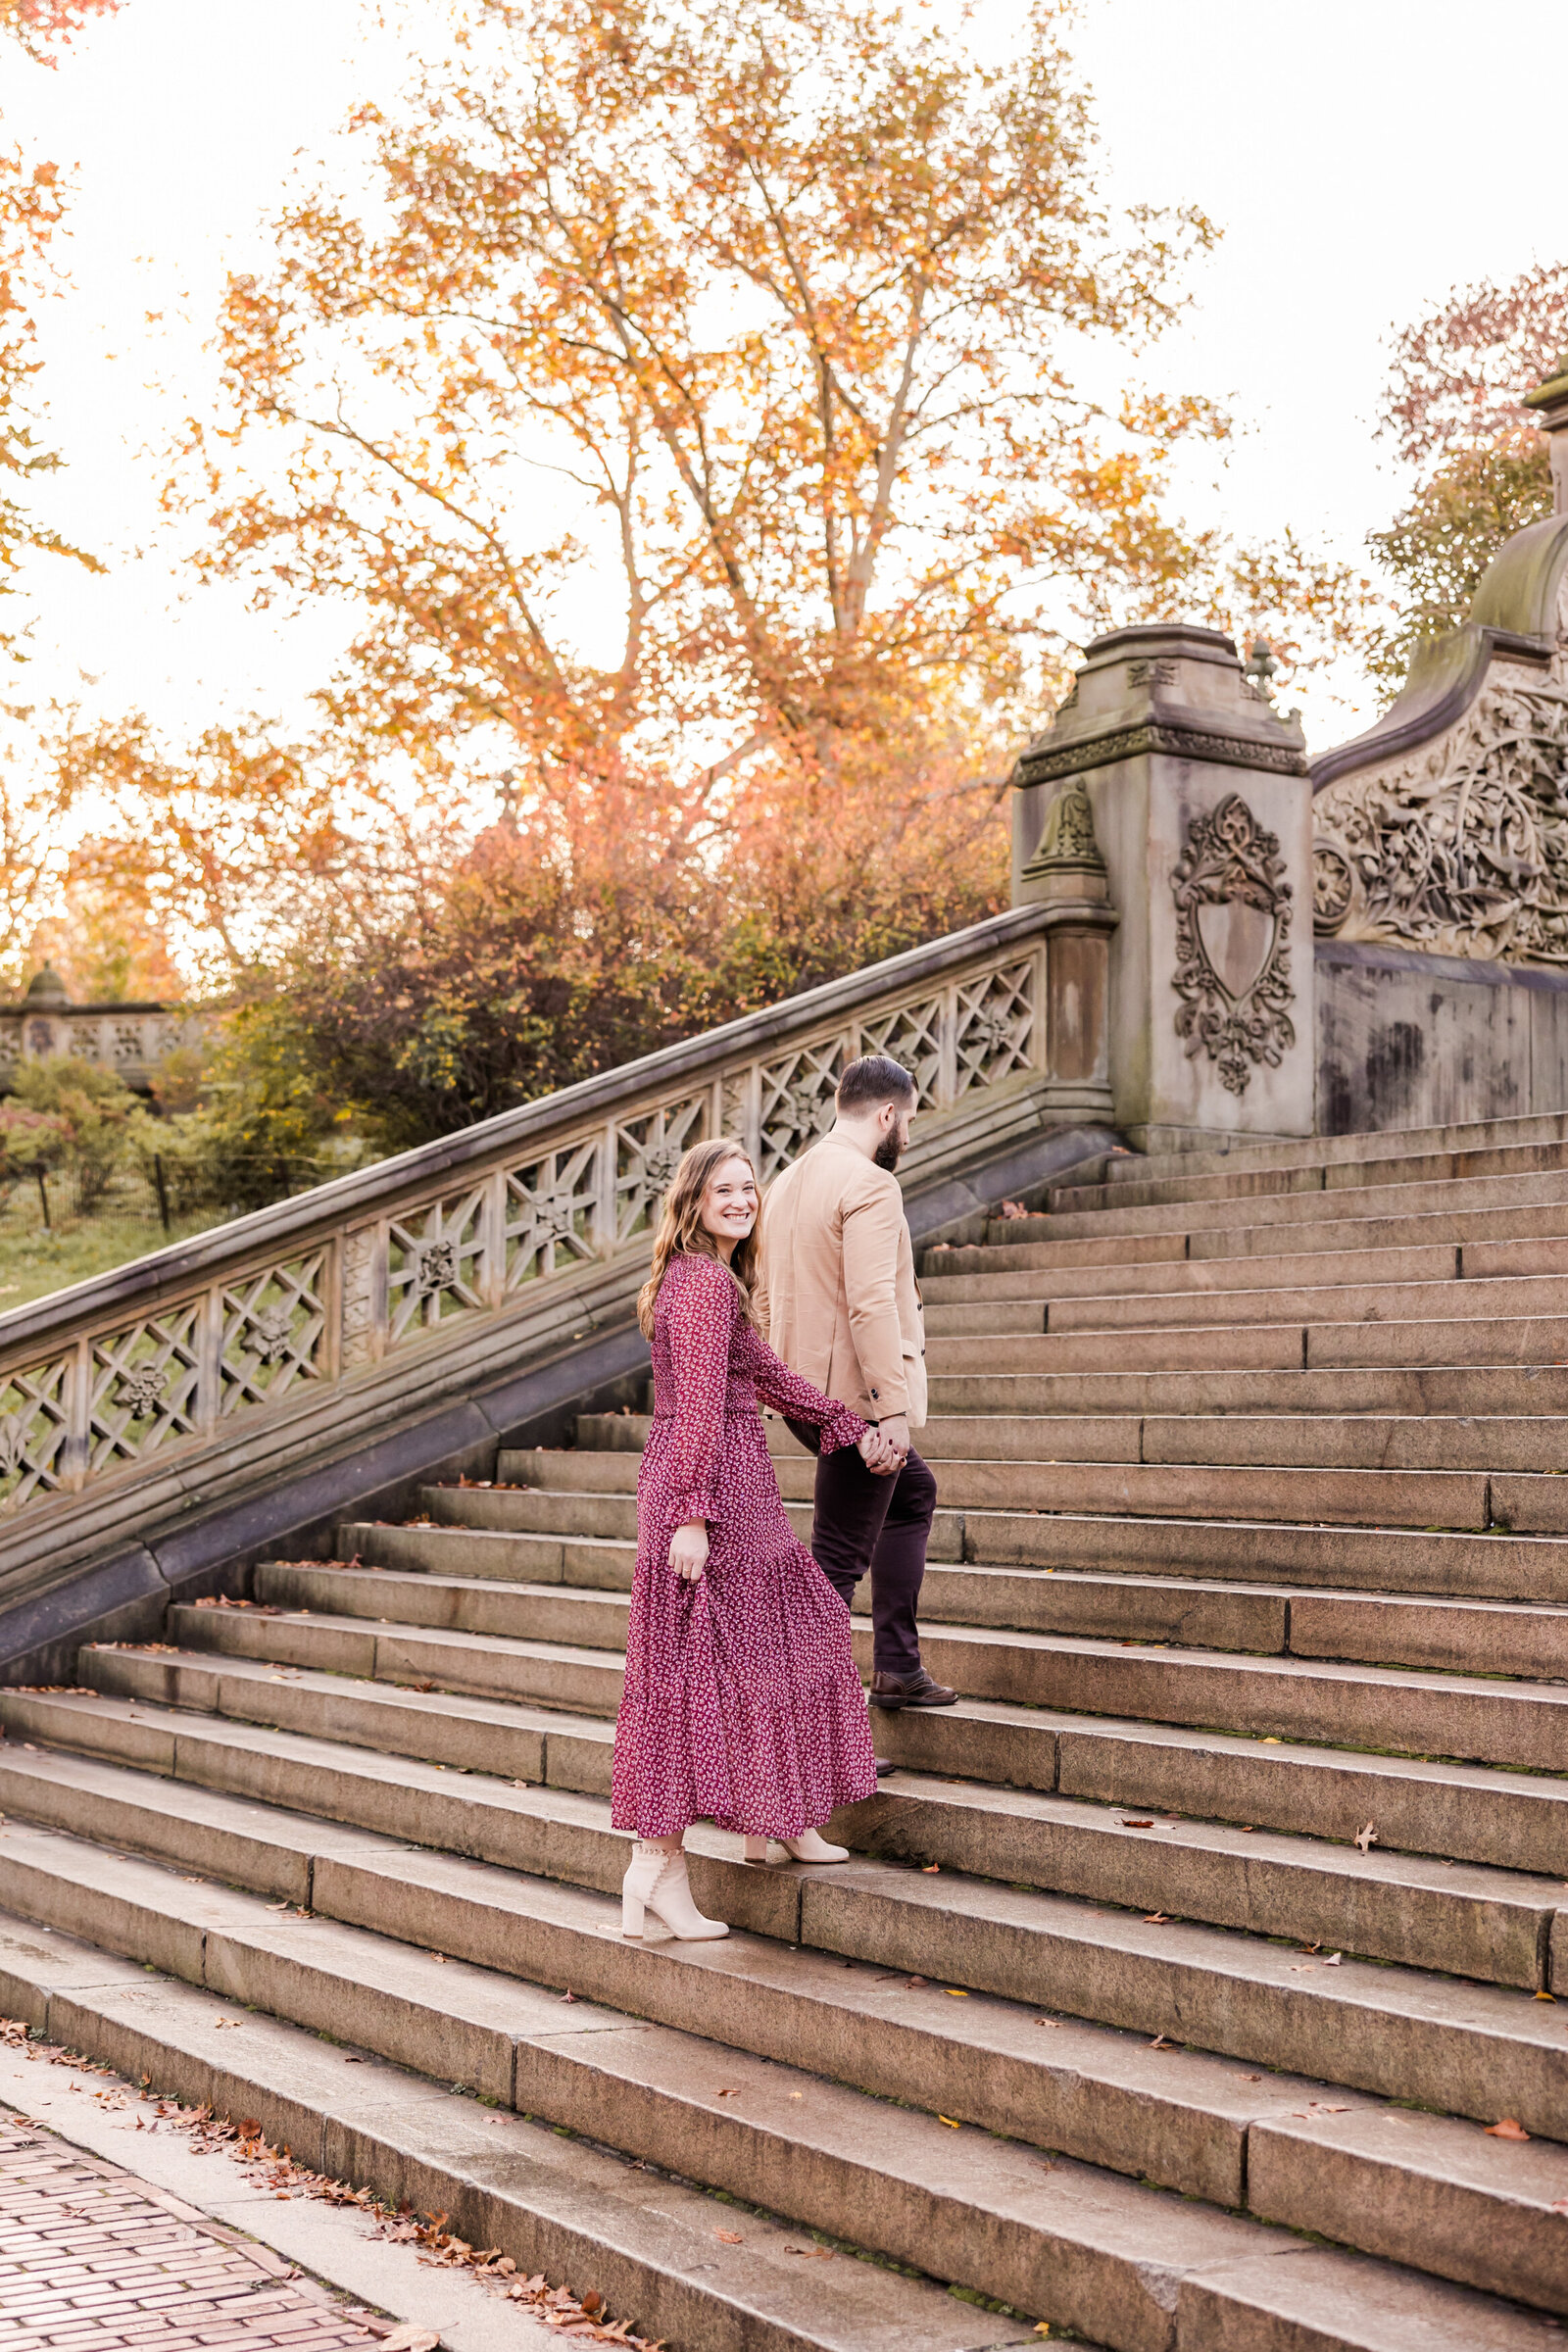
(92, 2260)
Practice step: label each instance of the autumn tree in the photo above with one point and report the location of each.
(1455, 412)
(700, 407)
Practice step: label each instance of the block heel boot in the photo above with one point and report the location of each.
(655, 1881)
(810, 1847)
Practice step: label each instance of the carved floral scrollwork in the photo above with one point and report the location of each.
(1462, 850)
(1231, 861)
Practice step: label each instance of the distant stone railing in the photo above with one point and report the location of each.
(175, 1380)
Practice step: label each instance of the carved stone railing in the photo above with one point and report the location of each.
(175, 1380)
(129, 1038)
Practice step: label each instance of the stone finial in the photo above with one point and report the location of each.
(1550, 400)
(46, 987)
(1069, 860)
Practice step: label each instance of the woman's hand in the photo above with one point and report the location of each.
(879, 1455)
(688, 1551)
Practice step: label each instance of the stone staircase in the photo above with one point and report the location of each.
(1240, 1861)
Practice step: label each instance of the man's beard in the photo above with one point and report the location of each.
(890, 1150)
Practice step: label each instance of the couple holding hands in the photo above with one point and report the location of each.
(742, 1705)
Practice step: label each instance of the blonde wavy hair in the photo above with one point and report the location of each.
(683, 1234)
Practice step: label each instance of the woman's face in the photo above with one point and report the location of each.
(729, 1205)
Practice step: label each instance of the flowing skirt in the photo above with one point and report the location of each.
(742, 1705)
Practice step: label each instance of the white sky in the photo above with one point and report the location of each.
(1361, 156)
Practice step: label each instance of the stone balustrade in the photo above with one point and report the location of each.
(324, 1319)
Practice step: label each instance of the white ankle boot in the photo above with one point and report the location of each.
(655, 1881)
(810, 1847)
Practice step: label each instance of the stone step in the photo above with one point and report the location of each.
(1534, 1295)
(1470, 1440)
(1457, 1498)
(483, 1666)
(1488, 1390)
(1484, 1924)
(1465, 1634)
(1241, 1346)
(1217, 1277)
(1473, 1717)
(1454, 1196)
(610, 1510)
(1394, 2032)
(662, 2252)
(664, 2090)
(1514, 1820)
(1347, 1175)
(1325, 1234)
(1323, 1150)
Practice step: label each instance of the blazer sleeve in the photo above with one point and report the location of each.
(873, 1227)
(701, 1306)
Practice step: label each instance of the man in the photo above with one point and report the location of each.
(841, 1306)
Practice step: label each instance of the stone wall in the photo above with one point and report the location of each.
(1405, 1040)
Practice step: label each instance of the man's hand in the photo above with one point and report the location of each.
(896, 1429)
(688, 1551)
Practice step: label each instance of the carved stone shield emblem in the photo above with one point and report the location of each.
(1233, 916)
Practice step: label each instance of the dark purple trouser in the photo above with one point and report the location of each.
(861, 1520)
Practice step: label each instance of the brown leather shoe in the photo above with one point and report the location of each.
(916, 1690)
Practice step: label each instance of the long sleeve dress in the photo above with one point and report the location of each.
(742, 1705)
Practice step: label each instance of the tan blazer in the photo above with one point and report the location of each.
(837, 1294)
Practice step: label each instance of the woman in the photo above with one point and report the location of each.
(742, 1705)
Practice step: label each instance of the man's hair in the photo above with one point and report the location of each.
(876, 1079)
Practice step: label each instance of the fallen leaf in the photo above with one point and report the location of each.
(812, 2253)
(250, 2129)
(1157, 1919)
(1509, 2128)
(930, 1868)
(1368, 1837)
(948, 2120)
(955, 1994)
(912, 1981)
(1546, 1996)
(1161, 2044)
(568, 1997)
(1054, 2022)
(1270, 1739)
(729, 2237)
(797, 2094)
(412, 2338)
(1136, 1825)
(1251, 2077)
(727, 2094)
(354, 2061)
(1249, 1830)
(1334, 1959)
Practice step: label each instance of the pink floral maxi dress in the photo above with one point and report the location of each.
(742, 1705)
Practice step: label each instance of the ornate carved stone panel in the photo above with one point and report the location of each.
(359, 1296)
(34, 1431)
(647, 1152)
(797, 1102)
(435, 1263)
(994, 1027)
(912, 1035)
(273, 1333)
(144, 1383)
(552, 1212)
(1232, 959)
(1461, 848)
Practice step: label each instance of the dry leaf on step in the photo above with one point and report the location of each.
(1135, 1825)
(410, 2340)
(1368, 1837)
(1509, 2128)
(729, 2237)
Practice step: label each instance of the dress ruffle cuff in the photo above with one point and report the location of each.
(844, 1429)
(698, 1502)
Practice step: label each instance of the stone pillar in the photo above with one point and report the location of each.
(1200, 805)
(1550, 404)
(1068, 875)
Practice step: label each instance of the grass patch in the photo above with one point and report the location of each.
(36, 1259)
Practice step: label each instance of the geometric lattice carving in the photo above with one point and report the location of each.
(647, 1151)
(994, 1028)
(273, 1333)
(912, 1035)
(1462, 848)
(552, 1212)
(797, 1102)
(1237, 1019)
(34, 1431)
(143, 1387)
(435, 1263)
